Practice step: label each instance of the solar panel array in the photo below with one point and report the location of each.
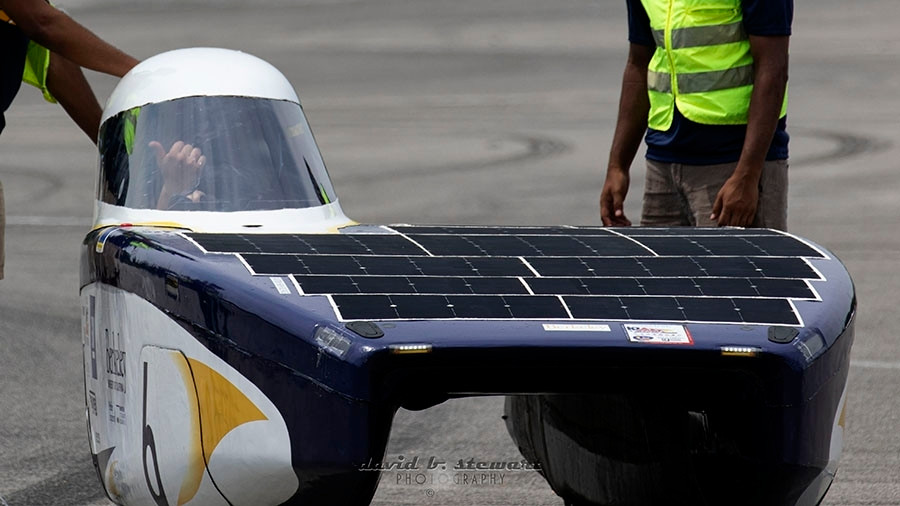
(545, 273)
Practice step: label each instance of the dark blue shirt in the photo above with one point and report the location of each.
(13, 45)
(693, 143)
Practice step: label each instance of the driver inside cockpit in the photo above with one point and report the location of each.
(212, 153)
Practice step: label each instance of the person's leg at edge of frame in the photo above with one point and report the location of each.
(664, 205)
(2, 228)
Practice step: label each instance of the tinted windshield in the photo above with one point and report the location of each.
(212, 154)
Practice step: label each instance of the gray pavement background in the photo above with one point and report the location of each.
(470, 112)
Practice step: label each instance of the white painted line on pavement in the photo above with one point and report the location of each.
(875, 364)
(48, 221)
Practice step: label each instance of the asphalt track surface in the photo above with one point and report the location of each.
(468, 112)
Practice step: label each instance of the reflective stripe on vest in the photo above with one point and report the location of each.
(702, 35)
(699, 82)
(702, 63)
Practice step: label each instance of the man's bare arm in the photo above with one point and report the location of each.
(61, 34)
(66, 82)
(736, 202)
(634, 105)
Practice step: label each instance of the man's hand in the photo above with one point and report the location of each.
(736, 202)
(612, 198)
(181, 167)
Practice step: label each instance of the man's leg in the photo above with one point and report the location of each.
(701, 185)
(773, 196)
(2, 228)
(664, 205)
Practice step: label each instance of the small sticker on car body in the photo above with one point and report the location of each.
(658, 334)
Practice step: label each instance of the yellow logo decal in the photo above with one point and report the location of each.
(218, 407)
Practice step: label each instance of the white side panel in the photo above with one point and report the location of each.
(152, 436)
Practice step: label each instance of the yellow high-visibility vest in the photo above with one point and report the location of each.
(702, 63)
(37, 60)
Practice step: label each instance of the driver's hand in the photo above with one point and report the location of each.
(181, 167)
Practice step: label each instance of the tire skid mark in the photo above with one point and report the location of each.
(535, 148)
(52, 184)
(846, 145)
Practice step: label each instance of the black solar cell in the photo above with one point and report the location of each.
(784, 246)
(562, 266)
(596, 308)
(672, 267)
(709, 309)
(224, 243)
(726, 287)
(499, 267)
(326, 284)
(653, 308)
(613, 286)
(558, 286)
(365, 307)
(670, 286)
(501, 245)
(674, 246)
(274, 264)
(694, 232)
(448, 245)
(320, 264)
(791, 268)
(615, 246)
(616, 267)
(480, 307)
(733, 267)
(423, 306)
(783, 288)
(557, 246)
(767, 310)
(393, 244)
(729, 246)
(536, 306)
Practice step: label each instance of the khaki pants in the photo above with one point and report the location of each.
(683, 195)
(2, 227)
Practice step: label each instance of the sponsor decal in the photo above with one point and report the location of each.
(93, 400)
(93, 336)
(658, 334)
(115, 361)
(281, 286)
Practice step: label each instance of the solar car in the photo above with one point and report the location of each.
(245, 343)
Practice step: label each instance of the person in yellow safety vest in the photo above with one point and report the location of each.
(706, 82)
(45, 47)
